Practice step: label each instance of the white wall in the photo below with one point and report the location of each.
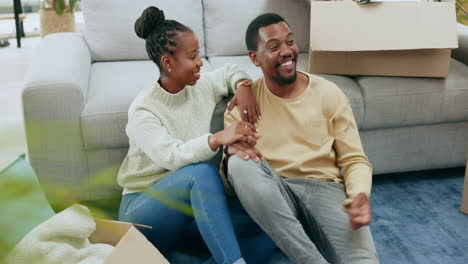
(6, 6)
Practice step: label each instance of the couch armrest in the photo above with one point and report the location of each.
(461, 54)
(53, 98)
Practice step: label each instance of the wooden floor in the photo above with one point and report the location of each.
(14, 64)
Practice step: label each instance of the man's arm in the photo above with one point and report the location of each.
(356, 167)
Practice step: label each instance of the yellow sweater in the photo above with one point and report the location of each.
(312, 135)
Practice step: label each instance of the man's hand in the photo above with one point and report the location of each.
(359, 211)
(245, 151)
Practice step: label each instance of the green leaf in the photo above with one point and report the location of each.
(59, 6)
(72, 5)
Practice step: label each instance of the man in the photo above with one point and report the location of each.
(308, 134)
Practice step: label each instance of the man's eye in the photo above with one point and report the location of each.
(274, 47)
(290, 42)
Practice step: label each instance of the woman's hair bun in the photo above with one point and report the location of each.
(148, 21)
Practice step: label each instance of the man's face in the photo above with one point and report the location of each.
(276, 53)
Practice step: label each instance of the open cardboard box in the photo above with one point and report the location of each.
(382, 38)
(130, 245)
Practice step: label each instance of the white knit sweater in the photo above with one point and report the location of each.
(168, 131)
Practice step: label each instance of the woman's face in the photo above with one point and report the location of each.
(187, 61)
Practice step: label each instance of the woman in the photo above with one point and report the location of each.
(166, 182)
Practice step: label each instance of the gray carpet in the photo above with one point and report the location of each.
(416, 217)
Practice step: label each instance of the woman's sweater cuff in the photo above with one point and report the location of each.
(204, 151)
(238, 77)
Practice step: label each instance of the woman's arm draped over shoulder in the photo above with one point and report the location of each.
(223, 81)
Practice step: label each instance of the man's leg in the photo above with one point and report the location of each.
(263, 196)
(323, 202)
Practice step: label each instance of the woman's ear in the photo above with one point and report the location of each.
(166, 63)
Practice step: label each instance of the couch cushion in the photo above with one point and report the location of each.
(415, 148)
(226, 22)
(112, 87)
(346, 84)
(109, 25)
(104, 165)
(397, 101)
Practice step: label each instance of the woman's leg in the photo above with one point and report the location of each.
(153, 209)
(170, 205)
(256, 246)
(212, 214)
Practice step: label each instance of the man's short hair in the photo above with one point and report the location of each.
(251, 35)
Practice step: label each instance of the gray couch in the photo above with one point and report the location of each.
(79, 89)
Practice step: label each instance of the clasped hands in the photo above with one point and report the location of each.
(244, 138)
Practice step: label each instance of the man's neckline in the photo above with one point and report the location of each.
(293, 98)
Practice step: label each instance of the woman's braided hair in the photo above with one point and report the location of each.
(158, 33)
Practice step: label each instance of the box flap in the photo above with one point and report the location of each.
(135, 248)
(348, 26)
(413, 63)
(109, 232)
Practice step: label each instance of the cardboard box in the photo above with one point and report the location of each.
(382, 38)
(464, 203)
(130, 245)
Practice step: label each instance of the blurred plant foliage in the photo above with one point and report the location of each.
(462, 17)
(60, 6)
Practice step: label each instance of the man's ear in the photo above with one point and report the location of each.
(253, 57)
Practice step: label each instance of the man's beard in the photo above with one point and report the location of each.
(283, 80)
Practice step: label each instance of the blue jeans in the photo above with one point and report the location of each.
(193, 192)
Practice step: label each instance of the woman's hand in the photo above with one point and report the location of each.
(245, 100)
(238, 132)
